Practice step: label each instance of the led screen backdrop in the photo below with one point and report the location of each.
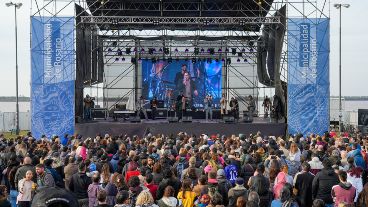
(164, 80)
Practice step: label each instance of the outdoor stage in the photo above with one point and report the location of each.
(196, 127)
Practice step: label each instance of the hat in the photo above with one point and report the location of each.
(239, 181)
(53, 196)
(220, 173)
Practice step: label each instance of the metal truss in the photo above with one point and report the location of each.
(130, 20)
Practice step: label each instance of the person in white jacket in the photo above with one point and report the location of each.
(355, 179)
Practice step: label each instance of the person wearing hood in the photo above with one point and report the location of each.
(323, 183)
(344, 192)
(224, 185)
(237, 191)
(169, 200)
(358, 158)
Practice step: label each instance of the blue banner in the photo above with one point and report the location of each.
(308, 75)
(52, 76)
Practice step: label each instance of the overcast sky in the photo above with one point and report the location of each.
(354, 38)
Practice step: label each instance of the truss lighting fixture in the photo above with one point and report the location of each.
(228, 61)
(142, 50)
(133, 60)
(150, 51)
(154, 49)
(219, 50)
(119, 52)
(233, 51)
(243, 50)
(240, 54)
(238, 60)
(155, 22)
(135, 49)
(227, 50)
(251, 50)
(242, 23)
(202, 50)
(166, 50)
(245, 60)
(109, 50)
(223, 60)
(186, 50)
(206, 22)
(169, 60)
(128, 50)
(217, 60)
(153, 60)
(196, 50)
(209, 60)
(116, 59)
(212, 51)
(123, 59)
(176, 50)
(160, 50)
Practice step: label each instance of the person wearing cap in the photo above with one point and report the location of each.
(323, 183)
(303, 186)
(237, 191)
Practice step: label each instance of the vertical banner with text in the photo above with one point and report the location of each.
(308, 75)
(53, 75)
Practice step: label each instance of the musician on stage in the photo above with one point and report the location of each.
(208, 102)
(88, 102)
(267, 105)
(223, 103)
(251, 105)
(189, 88)
(234, 106)
(184, 105)
(277, 108)
(179, 78)
(154, 104)
(141, 103)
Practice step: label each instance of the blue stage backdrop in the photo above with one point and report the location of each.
(308, 75)
(53, 75)
(163, 80)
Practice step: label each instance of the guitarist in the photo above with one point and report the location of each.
(154, 103)
(234, 105)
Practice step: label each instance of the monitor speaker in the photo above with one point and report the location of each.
(173, 119)
(135, 119)
(228, 119)
(187, 119)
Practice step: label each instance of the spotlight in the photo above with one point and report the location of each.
(223, 60)
(228, 61)
(169, 60)
(245, 60)
(238, 60)
(243, 50)
(209, 60)
(135, 49)
(251, 50)
(142, 50)
(212, 51)
(217, 60)
(176, 50)
(109, 50)
(116, 59)
(186, 50)
(139, 59)
(160, 50)
(119, 52)
(227, 50)
(150, 51)
(123, 59)
(154, 49)
(219, 50)
(133, 60)
(202, 50)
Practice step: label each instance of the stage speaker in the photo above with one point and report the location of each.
(247, 117)
(173, 119)
(228, 119)
(135, 119)
(187, 119)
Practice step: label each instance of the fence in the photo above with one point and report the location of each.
(7, 121)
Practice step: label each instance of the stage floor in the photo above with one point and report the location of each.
(197, 127)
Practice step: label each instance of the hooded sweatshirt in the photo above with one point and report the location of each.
(343, 192)
(169, 202)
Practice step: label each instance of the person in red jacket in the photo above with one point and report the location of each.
(344, 192)
(132, 171)
(152, 187)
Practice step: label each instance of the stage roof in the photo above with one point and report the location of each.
(182, 9)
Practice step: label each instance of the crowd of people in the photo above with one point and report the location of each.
(184, 170)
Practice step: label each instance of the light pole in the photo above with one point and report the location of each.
(16, 6)
(339, 6)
